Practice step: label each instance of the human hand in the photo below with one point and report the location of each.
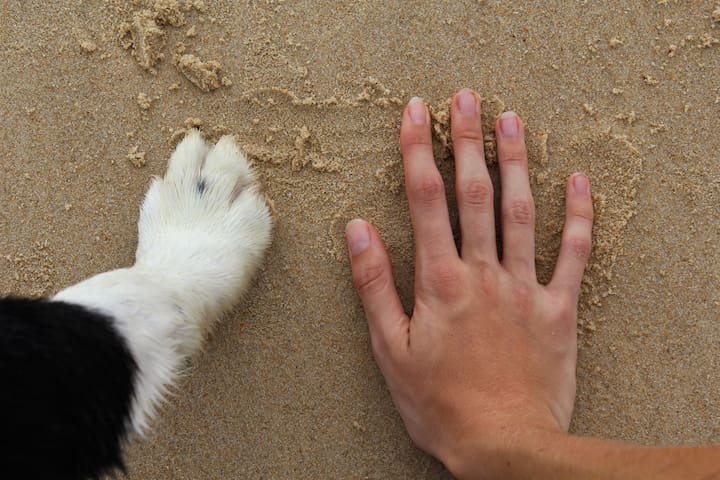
(488, 356)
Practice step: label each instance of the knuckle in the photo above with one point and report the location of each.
(370, 279)
(487, 280)
(522, 291)
(514, 158)
(523, 296)
(477, 193)
(566, 312)
(520, 212)
(564, 318)
(379, 344)
(445, 281)
(413, 139)
(429, 189)
(471, 135)
(583, 214)
(580, 247)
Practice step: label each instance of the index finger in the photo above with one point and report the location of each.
(424, 186)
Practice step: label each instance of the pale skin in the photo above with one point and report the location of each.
(483, 372)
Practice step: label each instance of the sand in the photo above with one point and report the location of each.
(96, 93)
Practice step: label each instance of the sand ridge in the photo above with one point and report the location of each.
(625, 91)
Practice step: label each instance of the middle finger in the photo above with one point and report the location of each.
(472, 183)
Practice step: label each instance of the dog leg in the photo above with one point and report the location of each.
(203, 231)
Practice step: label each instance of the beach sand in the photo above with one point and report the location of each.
(95, 94)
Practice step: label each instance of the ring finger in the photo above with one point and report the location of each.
(517, 207)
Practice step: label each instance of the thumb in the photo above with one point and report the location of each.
(373, 279)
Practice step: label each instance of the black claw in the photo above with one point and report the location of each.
(201, 186)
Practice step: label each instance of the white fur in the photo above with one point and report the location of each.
(196, 253)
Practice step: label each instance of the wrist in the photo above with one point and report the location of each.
(503, 452)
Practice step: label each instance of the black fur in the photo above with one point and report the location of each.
(66, 386)
(201, 186)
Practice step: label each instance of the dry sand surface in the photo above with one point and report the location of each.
(94, 95)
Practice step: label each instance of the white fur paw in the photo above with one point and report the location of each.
(203, 231)
(205, 222)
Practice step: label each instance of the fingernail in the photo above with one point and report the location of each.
(358, 236)
(581, 184)
(509, 124)
(418, 114)
(467, 102)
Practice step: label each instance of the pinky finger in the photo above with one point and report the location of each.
(576, 238)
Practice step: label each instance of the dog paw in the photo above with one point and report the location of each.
(205, 224)
(203, 230)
